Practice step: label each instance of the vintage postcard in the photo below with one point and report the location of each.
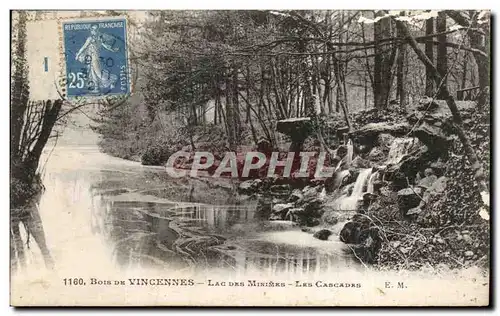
(250, 158)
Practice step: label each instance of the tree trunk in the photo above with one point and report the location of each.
(450, 101)
(464, 72)
(19, 86)
(229, 119)
(442, 55)
(400, 90)
(429, 52)
(383, 61)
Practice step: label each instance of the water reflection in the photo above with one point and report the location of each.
(117, 213)
(199, 236)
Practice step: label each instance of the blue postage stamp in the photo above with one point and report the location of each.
(96, 58)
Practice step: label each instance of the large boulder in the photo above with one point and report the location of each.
(278, 208)
(296, 196)
(437, 188)
(323, 234)
(280, 190)
(364, 236)
(409, 198)
(350, 232)
(409, 166)
(385, 140)
(298, 129)
(368, 134)
(432, 136)
(249, 186)
(439, 168)
(376, 154)
(427, 182)
(336, 181)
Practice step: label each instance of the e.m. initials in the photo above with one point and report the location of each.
(400, 285)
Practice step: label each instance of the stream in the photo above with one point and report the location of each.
(127, 216)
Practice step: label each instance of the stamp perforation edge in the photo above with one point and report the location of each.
(62, 80)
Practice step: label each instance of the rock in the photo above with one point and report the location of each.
(369, 245)
(350, 232)
(282, 207)
(310, 207)
(330, 218)
(439, 168)
(385, 140)
(310, 192)
(341, 151)
(297, 128)
(313, 207)
(311, 222)
(409, 198)
(276, 217)
(366, 239)
(323, 234)
(341, 131)
(377, 185)
(296, 196)
(249, 186)
(374, 206)
(368, 134)
(360, 163)
(308, 230)
(376, 154)
(428, 172)
(469, 254)
(427, 104)
(280, 189)
(427, 182)
(437, 188)
(338, 179)
(278, 201)
(295, 213)
(467, 238)
(433, 137)
(409, 166)
(414, 211)
(368, 198)
(381, 127)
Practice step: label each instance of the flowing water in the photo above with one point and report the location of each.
(349, 202)
(126, 216)
(371, 180)
(364, 182)
(350, 152)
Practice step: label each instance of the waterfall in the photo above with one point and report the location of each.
(399, 148)
(338, 166)
(349, 203)
(360, 182)
(350, 152)
(369, 186)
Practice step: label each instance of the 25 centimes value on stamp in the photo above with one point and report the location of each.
(96, 57)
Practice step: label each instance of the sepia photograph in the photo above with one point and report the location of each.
(250, 158)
